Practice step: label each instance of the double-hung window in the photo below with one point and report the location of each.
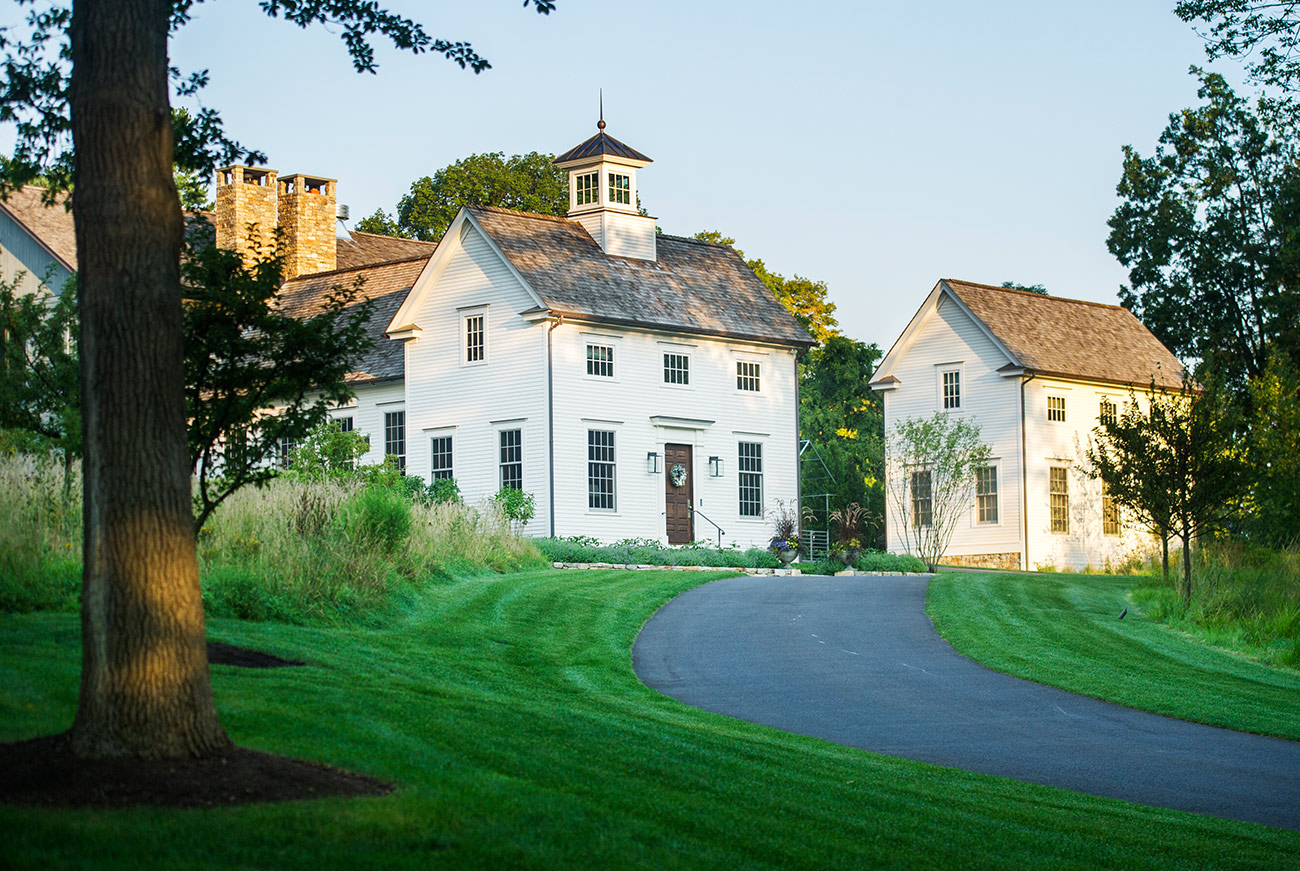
(986, 494)
(950, 385)
(600, 360)
(922, 499)
(440, 458)
(1109, 512)
(600, 470)
(677, 368)
(747, 375)
(345, 424)
(1059, 492)
(474, 337)
(512, 459)
(1106, 412)
(750, 477)
(395, 437)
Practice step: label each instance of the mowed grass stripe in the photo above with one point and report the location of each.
(506, 711)
(1063, 630)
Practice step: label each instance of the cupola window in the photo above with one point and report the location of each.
(586, 188)
(620, 189)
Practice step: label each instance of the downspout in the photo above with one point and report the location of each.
(1024, 481)
(798, 458)
(550, 416)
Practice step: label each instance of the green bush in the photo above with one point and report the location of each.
(648, 551)
(878, 561)
(516, 505)
(377, 517)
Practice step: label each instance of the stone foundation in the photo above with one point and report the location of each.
(984, 560)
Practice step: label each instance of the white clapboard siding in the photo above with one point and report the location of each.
(367, 413)
(636, 405)
(20, 253)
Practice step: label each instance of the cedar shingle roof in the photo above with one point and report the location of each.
(387, 284)
(51, 226)
(1071, 338)
(692, 287)
(367, 248)
(602, 143)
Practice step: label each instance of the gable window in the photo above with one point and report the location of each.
(922, 499)
(747, 375)
(1109, 512)
(677, 368)
(950, 383)
(751, 479)
(395, 437)
(620, 189)
(585, 188)
(600, 470)
(440, 465)
(475, 334)
(1106, 414)
(512, 459)
(600, 361)
(1059, 491)
(986, 494)
(1056, 409)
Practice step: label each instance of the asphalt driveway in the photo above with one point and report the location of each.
(856, 661)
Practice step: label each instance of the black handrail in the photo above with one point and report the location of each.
(721, 531)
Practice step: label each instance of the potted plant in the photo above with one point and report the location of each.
(847, 526)
(784, 543)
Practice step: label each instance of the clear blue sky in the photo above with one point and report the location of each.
(875, 146)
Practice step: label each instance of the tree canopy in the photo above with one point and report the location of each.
(526, 182)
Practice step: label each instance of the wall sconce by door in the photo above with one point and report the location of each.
(715, 467)
(653, 463)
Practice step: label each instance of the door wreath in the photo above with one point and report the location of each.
(677, 474)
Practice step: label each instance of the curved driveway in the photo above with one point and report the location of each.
(856, 661)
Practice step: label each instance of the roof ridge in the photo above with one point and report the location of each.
(1032, 293)
(365, 266)
(522, 214)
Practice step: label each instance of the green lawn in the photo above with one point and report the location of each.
(1062, 630)
(506, 710)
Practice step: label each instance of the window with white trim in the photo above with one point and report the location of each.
(1107, 413)
(620, 189)
(950, 383)
(586, 187)
(747, 375)
(600, 361)
(1056, 409)
(601, 470)
(1059, 491)
(440, 458)
(677, 368)
(986, 494)
(511, 444)
(345, 424)
(750, 477)
(1109, 512)
(475, 337)
(284, 452)
(395, 437)
(922, 499)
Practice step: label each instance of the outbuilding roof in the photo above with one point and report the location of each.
(691, 287)
(1070, 338)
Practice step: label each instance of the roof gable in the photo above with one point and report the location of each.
(49, 225)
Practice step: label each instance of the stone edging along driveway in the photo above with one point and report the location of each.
(857, 661)
(791, 572)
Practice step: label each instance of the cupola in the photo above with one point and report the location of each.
(602, 194)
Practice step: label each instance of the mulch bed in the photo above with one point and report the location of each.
(44, 771)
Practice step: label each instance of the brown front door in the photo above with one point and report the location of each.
(677, 500)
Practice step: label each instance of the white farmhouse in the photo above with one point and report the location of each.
(36, 242)
(1036, 373)
(637, 384)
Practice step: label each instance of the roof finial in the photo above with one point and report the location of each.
(600, 125)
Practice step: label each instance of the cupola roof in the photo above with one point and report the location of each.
(601, 145)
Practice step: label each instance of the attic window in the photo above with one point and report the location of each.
(620, 189)
(585, 188)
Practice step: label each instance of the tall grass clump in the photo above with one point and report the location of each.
(1244, 598)
(40, 533)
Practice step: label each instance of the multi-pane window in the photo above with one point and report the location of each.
(1109, 512)
(1059, 490)
(677, 369)
(512, 459)
(986, 494)
(585, 188)
(345, 424)
(620, 189)
(600, 360)
(600, 469)
(922, 499)
(1056, 409)
(746, 375)
(285, 452)
(440, 465)
(1107, 413)
(952, 388)
(395, 436)
(751, 479)
(475, 339)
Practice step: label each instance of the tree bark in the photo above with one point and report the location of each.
(1187, 565)
(145, 690)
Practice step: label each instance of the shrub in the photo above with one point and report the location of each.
(377, 517)
(517, 506)
(648, 551)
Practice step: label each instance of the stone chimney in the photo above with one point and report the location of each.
(246, 215)
(308, 214)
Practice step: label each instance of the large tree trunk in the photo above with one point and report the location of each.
(145, 690)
